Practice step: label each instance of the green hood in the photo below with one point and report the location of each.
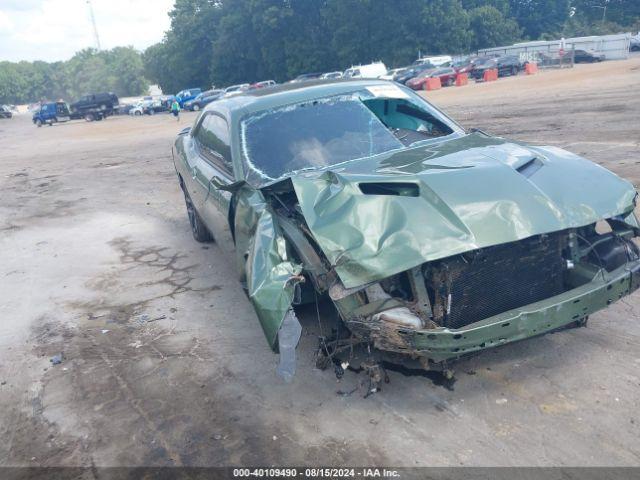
(470, 192)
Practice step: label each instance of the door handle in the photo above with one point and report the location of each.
(217, 182)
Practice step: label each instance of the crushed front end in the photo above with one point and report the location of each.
(491, 296)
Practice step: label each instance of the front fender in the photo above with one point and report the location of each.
(263, 261)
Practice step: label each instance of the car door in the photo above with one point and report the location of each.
(212, 170)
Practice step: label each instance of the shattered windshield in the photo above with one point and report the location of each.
(313, 134)
(319, 133)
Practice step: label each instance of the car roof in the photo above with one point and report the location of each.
(285, 94)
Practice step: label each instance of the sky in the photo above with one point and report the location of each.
(52, 30)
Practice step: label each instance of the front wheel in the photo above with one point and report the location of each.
(38, 123)
(198, 228)
(89, 117)
(196, 108)
(137, 113)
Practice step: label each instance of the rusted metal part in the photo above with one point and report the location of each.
(419, 289)
(311, 261)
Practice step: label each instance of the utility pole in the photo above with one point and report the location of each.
(93, 22)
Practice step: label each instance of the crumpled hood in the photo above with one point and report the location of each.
(474, 191)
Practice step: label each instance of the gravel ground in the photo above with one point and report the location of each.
(163, 359)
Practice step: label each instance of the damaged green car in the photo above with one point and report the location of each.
(430, 241)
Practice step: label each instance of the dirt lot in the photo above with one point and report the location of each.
(164, 362)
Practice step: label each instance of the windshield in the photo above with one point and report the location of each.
(333, 130)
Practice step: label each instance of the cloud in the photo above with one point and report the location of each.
(52, 30)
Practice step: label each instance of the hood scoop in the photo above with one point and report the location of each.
(400, 189)
(530, 167)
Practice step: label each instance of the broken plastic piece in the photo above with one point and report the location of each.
(288, 338)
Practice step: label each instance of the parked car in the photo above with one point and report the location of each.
(147, 106)
(448, 273)
(50, 113)
(587, 56)
(263, 84)
(447, 75)
(95, 106)
(634, 44)
(305, 77)
(435, 60)
(185, 95)
(464, 65)
(481, 65)
(203, 100)
(372, 70)
(391, 73)
(331, 75)
(5, 112)
(125, 108)
(428, 241)
(404, 75)
(236, 89)
(418, 82)
(509, 65)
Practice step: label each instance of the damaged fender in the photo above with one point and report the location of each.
(270, 275)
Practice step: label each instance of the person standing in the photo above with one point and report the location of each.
(175, 109)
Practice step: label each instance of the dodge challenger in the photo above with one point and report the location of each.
(428, 241)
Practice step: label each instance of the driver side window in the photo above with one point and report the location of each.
(212, 138)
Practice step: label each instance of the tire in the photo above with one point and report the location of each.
(38, 123)
(514, 71)
(450, 82)
(137, 113)
(89, 117)
(198, 228)
(152, 111)
(196, 108)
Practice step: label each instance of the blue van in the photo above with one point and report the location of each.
(51, 113)
(185, 95)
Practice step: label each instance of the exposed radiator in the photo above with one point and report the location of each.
(476, 285)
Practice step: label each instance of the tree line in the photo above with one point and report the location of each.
(119, 70)
(230, 41)
(221, 42)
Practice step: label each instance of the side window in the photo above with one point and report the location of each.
(212, 138)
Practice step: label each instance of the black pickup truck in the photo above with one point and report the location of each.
(95, 106)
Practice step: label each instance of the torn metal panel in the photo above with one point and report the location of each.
(270, 275)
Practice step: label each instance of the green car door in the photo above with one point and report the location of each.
(211, 169)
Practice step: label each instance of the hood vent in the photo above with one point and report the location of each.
(390, 188)
(530, 167)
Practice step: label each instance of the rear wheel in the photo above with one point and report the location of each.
(198, 228)
(137, 113)
(38, 123)
(89, 117)
(196, 107)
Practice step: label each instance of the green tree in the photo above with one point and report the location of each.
(491, 29)
(119, 70)
(537, 17)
